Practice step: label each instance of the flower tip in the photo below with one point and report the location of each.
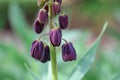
(43, 16)
(55, 36)
(56, 8)
(68, 52)
(38, 27)
(63, 21)
(37, 49)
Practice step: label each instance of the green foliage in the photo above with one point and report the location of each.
(11, 62)
(19, 24)
(31, 73)
(85, 62)
(116, 77)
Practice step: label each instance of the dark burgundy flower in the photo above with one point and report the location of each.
(43, 15)
(60, 1)
(46, 55)
(37, 49)
(56, 8)
(68, 52)
(47, 52)
(63, 21)
(38, 26)
(55, 36)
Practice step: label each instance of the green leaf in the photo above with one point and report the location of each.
(34, 76)
(19, 24)
(85, 62)
(116, 77)
(12, 62)
(11, 51)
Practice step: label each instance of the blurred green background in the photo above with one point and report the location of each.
(86, 20)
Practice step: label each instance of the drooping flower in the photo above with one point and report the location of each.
(43, 15)
(63, 21)
(56, 8)
(40, 52)
(38, 26)
(37, 49)
(68, 52)
(46, 55)
(32, 46)
(55, 36)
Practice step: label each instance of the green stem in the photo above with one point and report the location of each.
(52, 49)
(53, 62)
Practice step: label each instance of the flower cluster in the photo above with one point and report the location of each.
(41, 51)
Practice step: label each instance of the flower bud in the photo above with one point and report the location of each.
(37, 49)
(55, 36)
(63, 21)
(60, 1)
(68, 52)
(46, 56)
(43, 16)
(38, 26)
(33, 43)
(56, 8)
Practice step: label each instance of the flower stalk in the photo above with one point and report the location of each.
(39, 49)
(52, 49)
(53, 62)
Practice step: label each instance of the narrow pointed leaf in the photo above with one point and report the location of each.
(34, 76)
(85, 62)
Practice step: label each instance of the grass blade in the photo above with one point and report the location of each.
(31, 72)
